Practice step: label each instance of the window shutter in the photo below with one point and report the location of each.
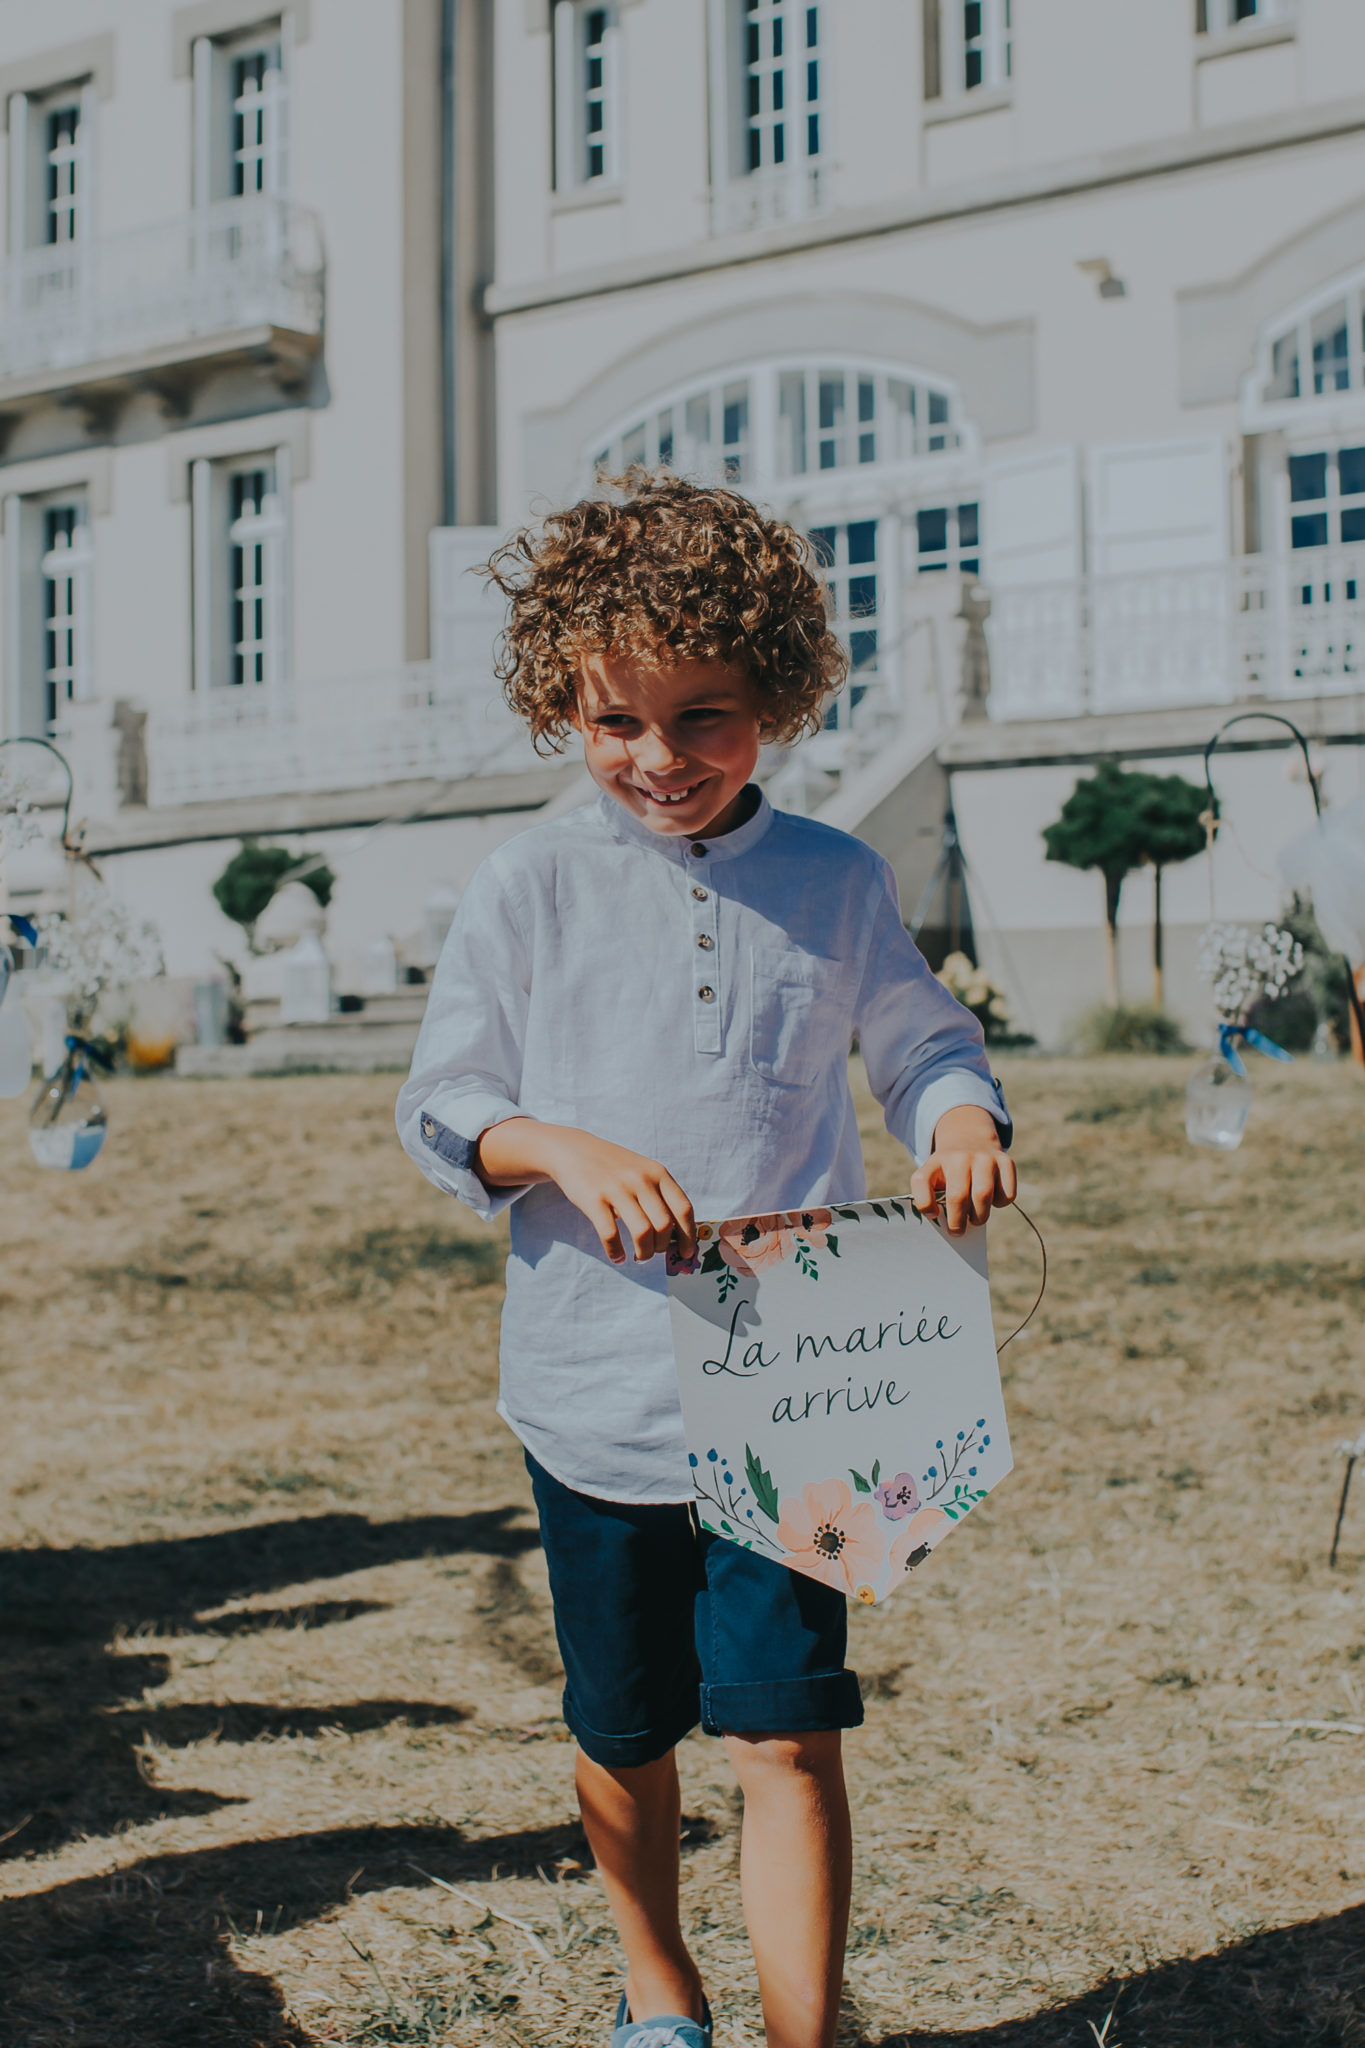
(933, 41)
(1158, 504)
(1201, 17)
(1032, 525)
(466, 610)
(18, 173)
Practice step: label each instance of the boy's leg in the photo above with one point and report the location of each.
(633, 1820)
(797, 1866)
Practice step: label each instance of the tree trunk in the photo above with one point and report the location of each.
(1158, 973)
(1112, 886)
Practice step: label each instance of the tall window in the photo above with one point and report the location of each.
(254, 534)
(257, 78)
(64, 570)
(587, 93)
(62, 165)
(987, 43)
(1217, 16)
(1327, 499)
(948, 537)
(703, 433)
(848, 555)
(781, 83)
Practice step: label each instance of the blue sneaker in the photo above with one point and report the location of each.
(666, 2030)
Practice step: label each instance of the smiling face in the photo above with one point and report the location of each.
(673, 746)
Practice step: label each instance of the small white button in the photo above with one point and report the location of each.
(700, 894)
(428, 1127)
(707, 994)
(705, 941)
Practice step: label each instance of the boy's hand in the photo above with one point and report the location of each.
(622, 1194)
(967, 1174)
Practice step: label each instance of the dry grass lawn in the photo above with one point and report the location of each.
(279, 1752)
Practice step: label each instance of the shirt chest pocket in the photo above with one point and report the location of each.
(797, 1024)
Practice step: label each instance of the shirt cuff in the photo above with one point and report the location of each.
(448, 1129)
(957, 1089)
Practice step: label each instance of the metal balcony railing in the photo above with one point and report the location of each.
(241, 264)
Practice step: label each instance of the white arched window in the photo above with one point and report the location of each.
(1310, 362)
(872, 459)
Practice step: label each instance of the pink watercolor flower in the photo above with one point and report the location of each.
(674, 1262)
(749, 1243)
(811, 1224)
(899, 1497)
(917, 1539)
(832, 1537)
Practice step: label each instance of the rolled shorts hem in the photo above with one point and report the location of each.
(783, 1706)
(625, 1752)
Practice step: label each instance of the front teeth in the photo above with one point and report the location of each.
(658, 796)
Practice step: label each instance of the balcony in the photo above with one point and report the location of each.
(1256, 627)
(157, 307)
(347, 733)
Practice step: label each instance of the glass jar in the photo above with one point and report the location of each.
(67, 1124)
(1217, 1099)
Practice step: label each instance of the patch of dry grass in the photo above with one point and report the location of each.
(280, 1759)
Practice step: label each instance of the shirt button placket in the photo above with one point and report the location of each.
(707, 988)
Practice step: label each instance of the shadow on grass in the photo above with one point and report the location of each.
(1295, 1987)
(69, 1718)
(140, 1959)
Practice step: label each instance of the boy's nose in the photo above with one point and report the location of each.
(654, 750)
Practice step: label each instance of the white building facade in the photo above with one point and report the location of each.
(1046, 321)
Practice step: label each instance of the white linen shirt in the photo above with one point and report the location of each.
(695, 1000)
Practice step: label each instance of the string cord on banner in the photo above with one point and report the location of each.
(1042, 1284)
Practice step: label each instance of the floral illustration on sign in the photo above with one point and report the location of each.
(830, 1536)
(897, 1497)
(957, 1473)
(744, 1246)
(917, 1539)
(714, 1482)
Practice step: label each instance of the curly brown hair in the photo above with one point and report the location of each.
(665, 570)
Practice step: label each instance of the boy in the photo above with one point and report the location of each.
(644, 1012)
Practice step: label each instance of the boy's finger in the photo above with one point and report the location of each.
(983, 1186)
(957, 1195)
(1007, 1179)
(923, 1192)
(684, 1220)
(637, 1226)
(604, 1222)
(656, 1208)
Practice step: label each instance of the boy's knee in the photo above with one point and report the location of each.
(816, 1753)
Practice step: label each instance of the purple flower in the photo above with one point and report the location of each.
(675, 1264)
(899, 1497)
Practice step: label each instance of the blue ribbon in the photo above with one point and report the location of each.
(1228, 1034)
(26, 928)
(87, 1054)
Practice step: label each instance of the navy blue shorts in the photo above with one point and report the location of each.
(662, 1626)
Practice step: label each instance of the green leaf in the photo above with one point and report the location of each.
(876, 1471)
(859, 1481)
(764, 1492)
(711, 1260)
(832, 1246)
(899, 1209)
(849, 1215)
(877, 1210)
(726, 1526)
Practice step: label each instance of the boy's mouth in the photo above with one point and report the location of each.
(666, 797)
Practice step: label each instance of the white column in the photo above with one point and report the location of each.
(282, 628)
(201, 574)
(720, 46)
(18, 173)
(11, 703)
(568, 171)
(204, 124)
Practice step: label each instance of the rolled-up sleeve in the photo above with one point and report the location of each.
(466, 1068)
(924, 1053)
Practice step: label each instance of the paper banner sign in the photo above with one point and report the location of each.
(840, 1389)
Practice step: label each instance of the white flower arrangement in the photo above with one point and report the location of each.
(19, 823)
(1245, 966)
(97, 945)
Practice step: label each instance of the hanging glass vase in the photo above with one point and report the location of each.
(1217, 1099)
(67, 1124)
